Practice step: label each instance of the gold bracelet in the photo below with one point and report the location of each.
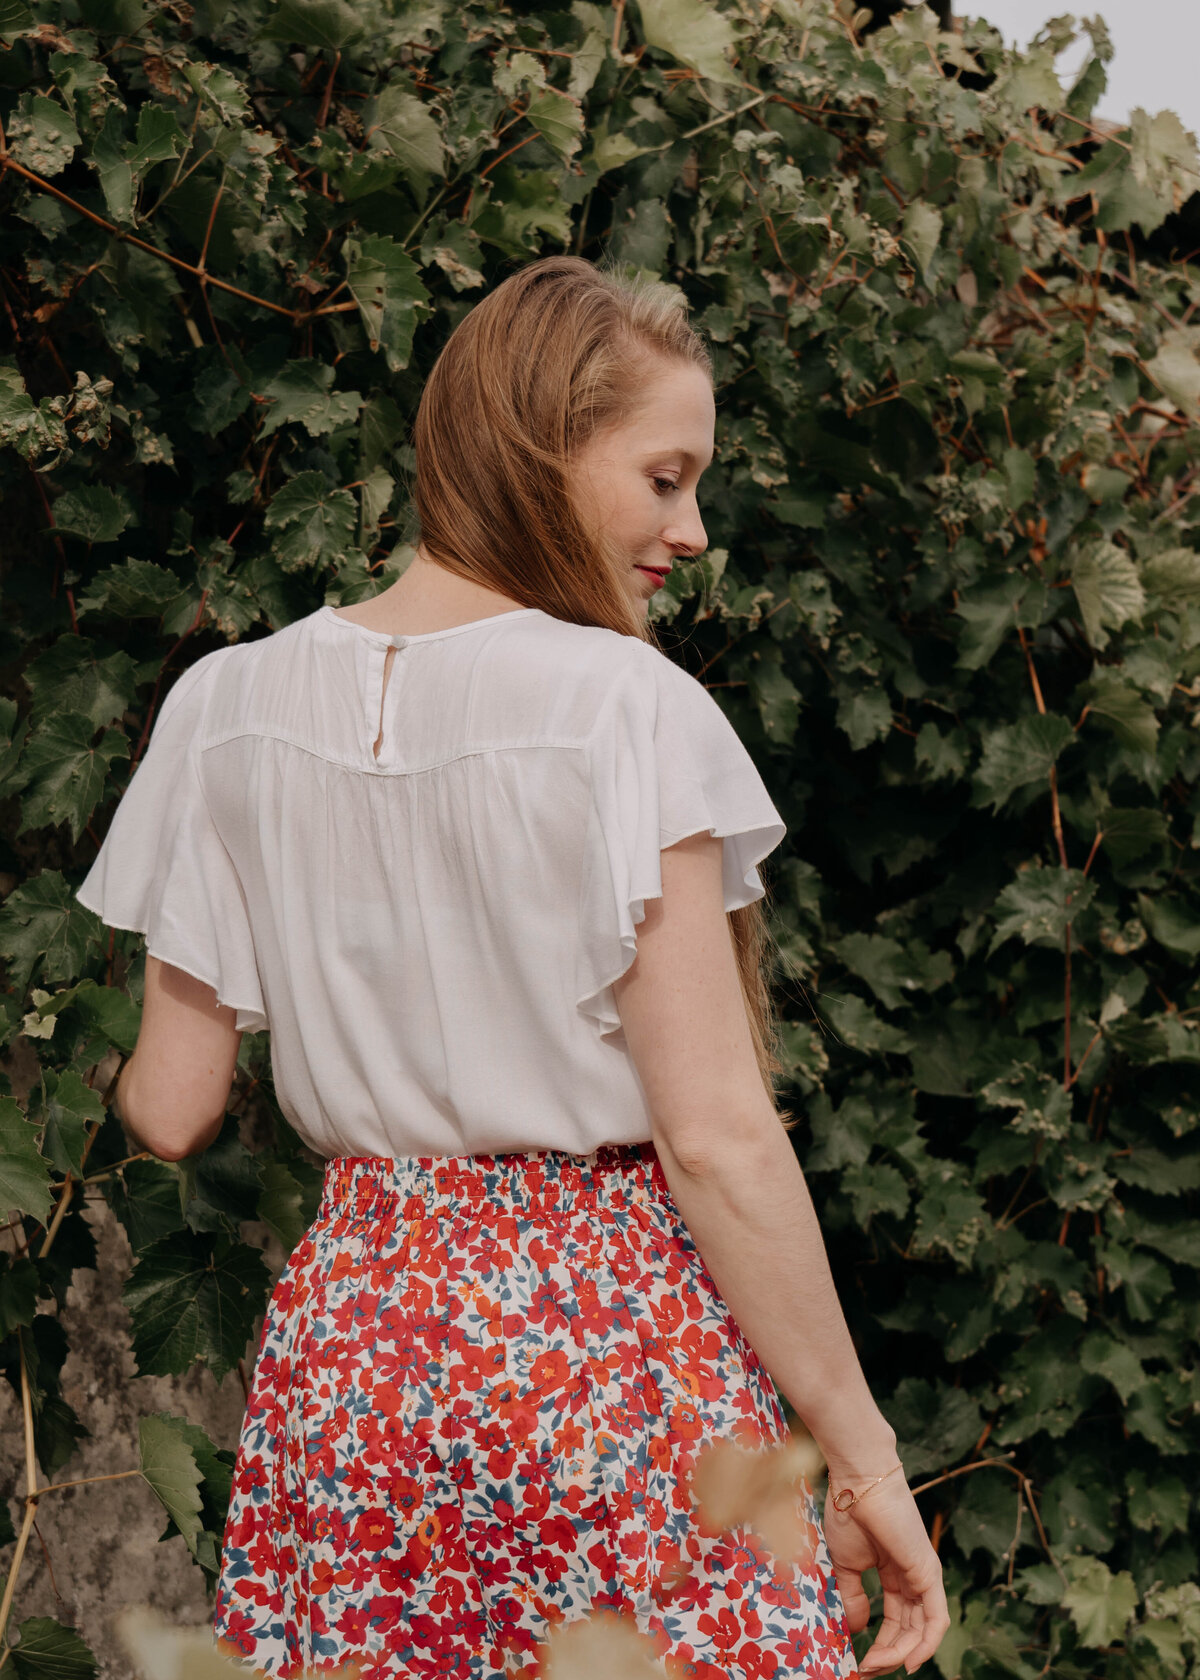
(852, 1498)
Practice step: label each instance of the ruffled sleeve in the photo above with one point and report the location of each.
(664, 762)
(163, 869)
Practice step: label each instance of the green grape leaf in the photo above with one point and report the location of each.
(19, 1289)
(1018, 754)
(45, 1650)
(280, 1204)
(66, 771)
(403, 126)
(332, 24)
(1039, 905)
(696, 34)
(301, 394)
(168, 1464)
(383, 281)
(316, 521)
(1107, 588)
(194, 1297)
(558, 120)
(95, 513)
(1100, 1603)
(145, 1197)
(134, 589)
(41, 135)
(66, 1110)
(24, 1173)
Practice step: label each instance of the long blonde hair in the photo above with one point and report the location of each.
(555, 354)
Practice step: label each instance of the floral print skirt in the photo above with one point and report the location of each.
(480, 1388)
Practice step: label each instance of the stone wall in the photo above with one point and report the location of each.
(95, 1550)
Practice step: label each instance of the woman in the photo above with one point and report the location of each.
(483, 859)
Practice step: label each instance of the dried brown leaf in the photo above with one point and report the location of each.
(162, 1651)
(736, 1487)
(161, 75)
(603, 1646)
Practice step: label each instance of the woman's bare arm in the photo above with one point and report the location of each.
(731, 1166)
(740, 1190)
(173, 1090)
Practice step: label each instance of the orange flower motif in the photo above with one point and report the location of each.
(686, 1420)
(344, 1266)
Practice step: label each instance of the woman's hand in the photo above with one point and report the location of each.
(884, 1531)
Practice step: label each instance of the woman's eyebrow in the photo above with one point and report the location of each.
(684, 454)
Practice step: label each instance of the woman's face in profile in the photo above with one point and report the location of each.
(637, 481)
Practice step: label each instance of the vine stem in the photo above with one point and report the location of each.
(6, 163)
(1026, 1490)
(31, 1499)
(86, 1481)
(32, 1492)
(1056, 821)
(64, 1202)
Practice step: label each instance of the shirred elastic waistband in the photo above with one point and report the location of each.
(542, 1181)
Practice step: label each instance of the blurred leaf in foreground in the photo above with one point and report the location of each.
(737, 1487)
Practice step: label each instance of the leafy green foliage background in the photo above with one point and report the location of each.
(951, 602)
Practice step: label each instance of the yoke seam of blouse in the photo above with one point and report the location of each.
(575, 745)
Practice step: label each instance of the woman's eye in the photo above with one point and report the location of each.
(669, 482)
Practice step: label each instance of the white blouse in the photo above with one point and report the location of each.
(430, 935)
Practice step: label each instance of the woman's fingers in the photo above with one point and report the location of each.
(897, 1638)
(908, 1635)
(855, 1600)
(913, 1626)
(935, 1626)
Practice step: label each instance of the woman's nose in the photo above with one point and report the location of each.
(688, 533)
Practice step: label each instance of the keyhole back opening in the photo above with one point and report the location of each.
(387, 672)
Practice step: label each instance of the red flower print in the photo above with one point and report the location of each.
(549, 1371)
(670, 1313)
(783, 1595)
(518, 1414)
(798, 1646)
(545, 1308)
(357, 1477)
(687, 1420)
(450, 1597)
(239, 1630)
(252, 1474)
(557, 1531)
(757, 1662)
(447, 1471)
(696, 1669)
(723, 1628)
(398, 1574)
(373, 1530)
(344, 1266)
(354, 1623)
(493, 1571)
(500, 1463)
(700, 1345)
(403, 1493)
(551, 1565)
